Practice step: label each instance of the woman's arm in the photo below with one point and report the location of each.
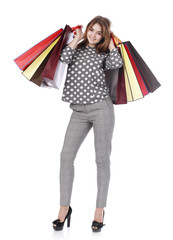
(113, 60)
(68, 52)
(79, 36)
(111, 45)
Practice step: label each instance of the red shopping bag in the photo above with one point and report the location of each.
(29, 56)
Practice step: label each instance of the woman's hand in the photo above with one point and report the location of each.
(79, 33)
(111, 45)
(77, 38)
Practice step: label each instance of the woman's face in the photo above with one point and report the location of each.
(94, 35)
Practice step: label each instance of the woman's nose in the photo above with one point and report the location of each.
(93, 34)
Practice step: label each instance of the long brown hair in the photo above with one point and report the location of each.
(103, 45)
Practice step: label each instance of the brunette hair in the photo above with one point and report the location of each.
(103, 45)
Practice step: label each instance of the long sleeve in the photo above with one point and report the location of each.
(67, 55)
(113, 60)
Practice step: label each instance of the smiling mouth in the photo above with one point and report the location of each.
(92, 39)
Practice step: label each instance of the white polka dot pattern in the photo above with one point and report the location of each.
(85, 81)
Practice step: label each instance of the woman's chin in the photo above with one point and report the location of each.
(91, 41)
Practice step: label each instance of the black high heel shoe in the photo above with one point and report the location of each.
(59, 225)
(98, 225)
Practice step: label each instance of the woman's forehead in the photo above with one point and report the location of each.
(97, 27)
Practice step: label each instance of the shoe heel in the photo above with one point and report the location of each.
(68, 220)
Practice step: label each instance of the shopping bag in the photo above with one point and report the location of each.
(138, 78)
(31, 69)
(116, 84)
(149, 79)
(43, 65)
(54, 70)
(29, 56)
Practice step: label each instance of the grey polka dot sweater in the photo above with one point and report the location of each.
(85, 81)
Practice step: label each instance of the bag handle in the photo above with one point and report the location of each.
(74, 28)
(115, 39)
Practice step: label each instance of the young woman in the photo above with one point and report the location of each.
(86, 91)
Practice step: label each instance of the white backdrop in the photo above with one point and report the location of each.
(34, 121)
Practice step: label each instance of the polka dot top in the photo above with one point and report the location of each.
(85, 81)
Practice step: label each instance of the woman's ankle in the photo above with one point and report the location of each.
(99, 210)
(63, 212)
(98, 216)
(64, 207)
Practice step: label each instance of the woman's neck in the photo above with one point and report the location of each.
(91, 45)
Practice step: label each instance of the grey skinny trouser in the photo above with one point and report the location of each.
(101, 117)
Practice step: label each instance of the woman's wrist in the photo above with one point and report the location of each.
(77, 38)
(74, 42)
